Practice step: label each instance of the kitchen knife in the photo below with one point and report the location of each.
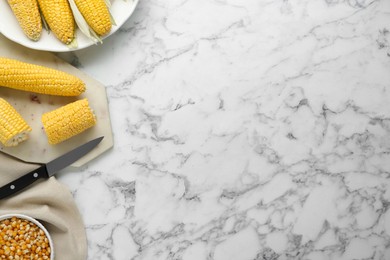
(49, 169)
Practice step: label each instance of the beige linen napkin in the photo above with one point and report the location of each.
(51, 203)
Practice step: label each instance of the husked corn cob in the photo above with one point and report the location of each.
(13, 128)
(34, 78)
(28, 16)
(59, 18)
(97, 15)
(68, 121)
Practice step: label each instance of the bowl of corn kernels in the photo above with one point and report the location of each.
(23, 237)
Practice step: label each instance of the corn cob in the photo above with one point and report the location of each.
(97, 15)
(68, 121)
(34, 78)
(59, 18)
(13, 128)
(28, 16)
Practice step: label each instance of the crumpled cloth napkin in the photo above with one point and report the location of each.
(49, 202)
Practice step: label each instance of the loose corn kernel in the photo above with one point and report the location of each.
(13, 128)
(12, 248)
(68, 121)
(28, 16)
(97, 15)
(39, 79)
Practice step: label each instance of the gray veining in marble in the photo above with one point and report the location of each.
(244, 130)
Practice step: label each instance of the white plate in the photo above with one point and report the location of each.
(121, 10)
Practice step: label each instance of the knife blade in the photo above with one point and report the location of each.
(48, 169)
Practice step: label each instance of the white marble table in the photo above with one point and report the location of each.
(243, 130)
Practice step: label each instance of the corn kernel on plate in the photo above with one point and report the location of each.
(120, 10)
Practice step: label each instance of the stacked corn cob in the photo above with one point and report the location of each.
(27, 14)
(60, 124)
(61, 17)
(96, 14)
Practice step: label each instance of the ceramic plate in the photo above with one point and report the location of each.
(121, 10)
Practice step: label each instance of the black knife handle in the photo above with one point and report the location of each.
(22, 182)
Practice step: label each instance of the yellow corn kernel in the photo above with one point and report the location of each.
(28, 16)
(68, 121)
(18, 247)
(13, 128)
(97, 15)
(34, 78)
(59, 17)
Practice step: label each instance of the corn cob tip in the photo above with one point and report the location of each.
(97, 14)
(13, 128)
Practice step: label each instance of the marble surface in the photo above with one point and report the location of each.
(243, 130)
